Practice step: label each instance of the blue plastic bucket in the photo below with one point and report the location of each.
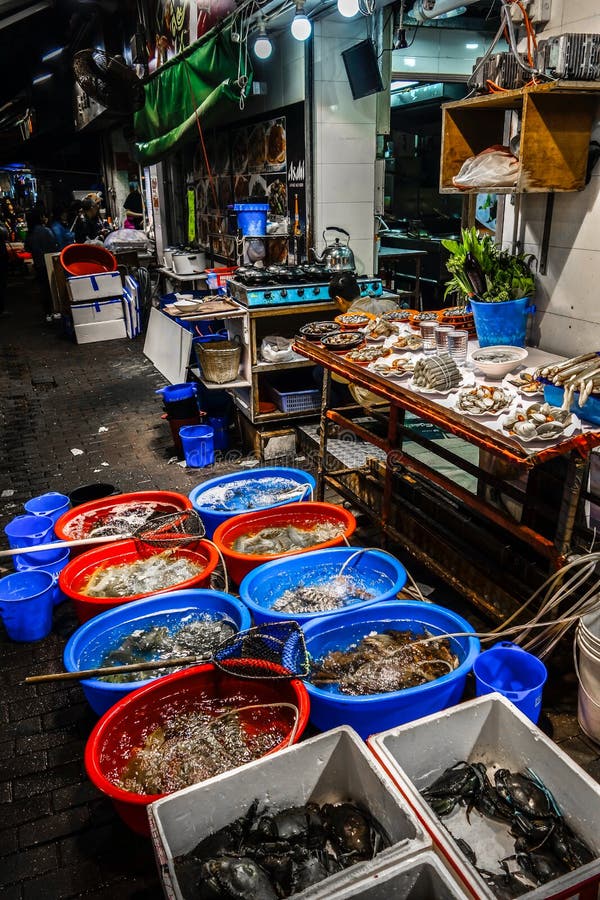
(377, 712)
(173, 393)
(28, 531)
(219, 425)
(377, 572)
(212, 518)
(252, 218)
(198, 446)
(26, 604)
(51, 504)
(501, 323)
(55, 561)
(88, 645)
(518, 675)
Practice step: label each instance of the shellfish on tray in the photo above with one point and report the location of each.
(483, 400)
(539, 422)
(397, 368)
(412, 342)
(366, 355)
(526, 382)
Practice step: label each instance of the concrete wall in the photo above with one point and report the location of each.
(345, 138)
(568, 317)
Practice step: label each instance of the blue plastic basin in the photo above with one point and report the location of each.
(372, 713)
(92, 641)
(213, 518)
(378, 572)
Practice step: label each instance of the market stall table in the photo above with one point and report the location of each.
(468, 537)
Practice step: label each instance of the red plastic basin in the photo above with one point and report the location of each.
(301, 515)
(169, 501)
(128, 723)
(75, 574)
(87, 259)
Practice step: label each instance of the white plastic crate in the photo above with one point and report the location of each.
(332, 767)
(100, 331)
(98, 311)
(94, 287)
(493, 731)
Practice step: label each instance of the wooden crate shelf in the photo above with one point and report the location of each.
(556, 124)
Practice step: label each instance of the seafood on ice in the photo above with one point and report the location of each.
(142, 576)
(342, 590)
(286, 538)
(192, 746)
(388, 661)
(581, 374)
(276, 853)
(193, 635)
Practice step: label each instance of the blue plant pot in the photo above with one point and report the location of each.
(502, 323)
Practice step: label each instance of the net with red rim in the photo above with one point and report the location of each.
(273, 650)
(171, 529)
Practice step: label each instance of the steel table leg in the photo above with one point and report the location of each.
(322, 463)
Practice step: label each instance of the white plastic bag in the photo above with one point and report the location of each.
(494, 167)
(276, 349)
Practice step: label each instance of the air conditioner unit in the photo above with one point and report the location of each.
(574, 57)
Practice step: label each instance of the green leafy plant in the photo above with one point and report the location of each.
(503, 275)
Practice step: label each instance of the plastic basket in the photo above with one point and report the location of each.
(219, 361)
(294, 401)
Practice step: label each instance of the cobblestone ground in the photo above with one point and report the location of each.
(59, 838)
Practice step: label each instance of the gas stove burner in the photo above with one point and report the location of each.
(252, 276)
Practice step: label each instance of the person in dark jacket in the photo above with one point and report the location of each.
(134, 204)
(89, 224)
(41, 240)
(60, 227)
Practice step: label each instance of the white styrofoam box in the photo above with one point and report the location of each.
(330, 768)
(93, 287)
(98, 311)
(493, 731)
(100, 331)
(422, 877)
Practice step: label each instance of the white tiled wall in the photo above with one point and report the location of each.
(283, 74)
(344, 143)
(568, 317)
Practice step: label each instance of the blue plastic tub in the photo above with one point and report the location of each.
(198, 445)
(378, 712)
(212, 518)
(501, 323)
(513, 672)
(252, 218)
(26, 605)
(29, 531)
(55, 562)
(378, 572)
(51, 504)
(590, 411)
(90, 643)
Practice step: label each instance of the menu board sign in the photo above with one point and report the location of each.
(260, 161)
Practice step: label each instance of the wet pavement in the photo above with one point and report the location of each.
(59, 837)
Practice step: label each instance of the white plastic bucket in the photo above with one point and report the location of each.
(586, 653)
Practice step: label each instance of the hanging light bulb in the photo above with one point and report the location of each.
(347, 8)
(301, 27)
(262, 45)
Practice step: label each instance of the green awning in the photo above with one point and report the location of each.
(202, 79)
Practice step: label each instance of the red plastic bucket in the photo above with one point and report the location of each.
(87, 259)
(169, 501)
(300, 515)
(75, 574)
(128, 723)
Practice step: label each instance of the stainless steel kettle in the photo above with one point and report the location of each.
(336, 257)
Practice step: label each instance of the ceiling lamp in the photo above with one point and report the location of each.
(262, 45)
(301, 27)
(347, 8)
